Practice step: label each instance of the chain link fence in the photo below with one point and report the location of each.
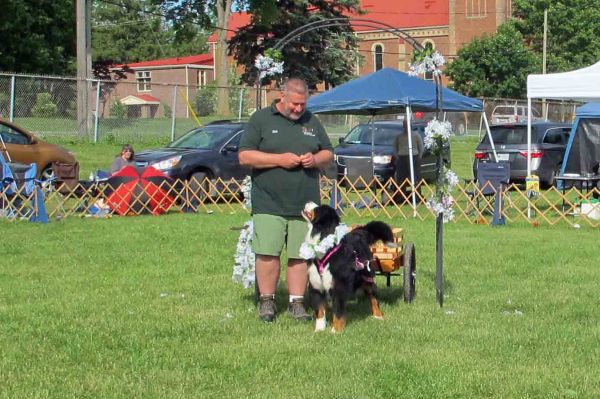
(126, 111)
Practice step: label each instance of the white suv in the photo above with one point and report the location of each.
(512, 114)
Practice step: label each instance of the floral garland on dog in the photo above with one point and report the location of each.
(244, 258)
(316, 250)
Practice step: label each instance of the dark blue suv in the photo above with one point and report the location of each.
(356, 148)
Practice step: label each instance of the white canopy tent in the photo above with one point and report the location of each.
(580, 85)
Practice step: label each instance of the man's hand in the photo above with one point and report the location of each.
(308, 160)
(289, 160)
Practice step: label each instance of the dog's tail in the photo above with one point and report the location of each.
(379, 231)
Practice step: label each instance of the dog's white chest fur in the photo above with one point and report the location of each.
(322, 282)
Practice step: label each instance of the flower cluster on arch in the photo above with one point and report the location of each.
(437, 137)
(269, 64)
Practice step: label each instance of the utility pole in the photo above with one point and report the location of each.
(544, 111)
(84, 64)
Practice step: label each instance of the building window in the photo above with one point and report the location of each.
(378, 57)
(476, 8)
(143, 80)
(202, 78)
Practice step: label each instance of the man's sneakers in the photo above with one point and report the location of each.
(297, 311)
(267, 309)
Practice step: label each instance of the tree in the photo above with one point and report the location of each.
(184, 13)
(325, 55)
(493, 66)
(126, 31)
(38, 36)
(573, 31)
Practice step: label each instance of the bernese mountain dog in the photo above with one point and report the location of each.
(344, 267)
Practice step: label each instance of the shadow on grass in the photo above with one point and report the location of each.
(429, 275)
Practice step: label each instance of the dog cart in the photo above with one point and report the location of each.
(388, 260)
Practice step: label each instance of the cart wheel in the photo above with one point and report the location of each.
(409, 268)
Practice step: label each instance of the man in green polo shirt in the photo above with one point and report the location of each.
(285, 146)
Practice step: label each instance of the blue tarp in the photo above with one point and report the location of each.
(389, 91)
(589, 110)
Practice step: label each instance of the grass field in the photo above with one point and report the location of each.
(144, 307)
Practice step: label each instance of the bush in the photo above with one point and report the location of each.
(167, 111)
(118, 110)
(206, 101)
(44, 106)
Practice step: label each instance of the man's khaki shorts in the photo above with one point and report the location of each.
(272, 233)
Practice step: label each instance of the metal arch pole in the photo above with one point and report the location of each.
(411, 163)
(439, 220)
(344, 22)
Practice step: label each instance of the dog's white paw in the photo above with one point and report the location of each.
(378, 317)
(320, 324)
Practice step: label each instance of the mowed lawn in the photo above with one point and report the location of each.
(144, 307)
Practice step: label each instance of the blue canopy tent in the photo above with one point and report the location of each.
(583, 148)
(389, 91)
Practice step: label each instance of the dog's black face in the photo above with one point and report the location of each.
(324, 221)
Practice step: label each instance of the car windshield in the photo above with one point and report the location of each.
(361, 134)
(507, 135)
(504, 110)
(207, 137)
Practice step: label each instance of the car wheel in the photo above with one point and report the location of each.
(409, 269)
(199, 186)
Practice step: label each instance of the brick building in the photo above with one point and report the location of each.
(445, 25)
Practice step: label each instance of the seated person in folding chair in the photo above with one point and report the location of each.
(124, 158)
(403, 158)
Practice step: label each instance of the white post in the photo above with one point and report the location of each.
(97, 112)
(481, 119)
(173, 113)
(12, 98)
(241, 104)
(528, 136)
(528, 150)
(489, 133)
(412, 166)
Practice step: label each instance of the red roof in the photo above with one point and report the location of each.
(147, 97)
(236, 21)
(200, 59)
(405, 13)
(397, 13)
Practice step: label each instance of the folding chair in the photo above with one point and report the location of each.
(66, 183)
(17, 189)
(355, 168)
(66, 177)
(491, 178)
